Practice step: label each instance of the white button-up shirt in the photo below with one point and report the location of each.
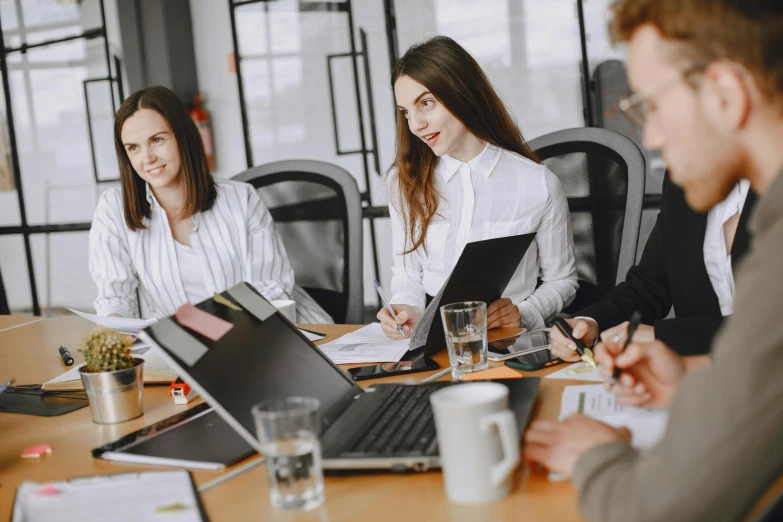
(717, 258)
(232, 242)
(497, 194)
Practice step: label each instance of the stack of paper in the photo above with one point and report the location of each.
(123, 324)
(365, 345)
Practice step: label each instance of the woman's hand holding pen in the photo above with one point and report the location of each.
(651, 372)
(407, 316)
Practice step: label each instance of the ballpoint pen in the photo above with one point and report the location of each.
(585, 353)
(636, 318)
(387, 305)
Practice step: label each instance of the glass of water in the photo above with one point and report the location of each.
(288, 435)
(465, 325)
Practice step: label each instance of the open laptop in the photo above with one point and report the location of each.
(264, 356)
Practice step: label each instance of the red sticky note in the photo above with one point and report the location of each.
(499, 372)
(201, 322)
(35, 452)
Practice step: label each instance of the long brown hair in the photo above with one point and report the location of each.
(451, 74)
(200, 190)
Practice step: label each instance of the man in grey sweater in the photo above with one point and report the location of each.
(709, 81)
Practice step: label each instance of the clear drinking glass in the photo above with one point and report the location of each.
(465, 325)
(288, 435)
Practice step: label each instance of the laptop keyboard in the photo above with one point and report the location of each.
(403, 425)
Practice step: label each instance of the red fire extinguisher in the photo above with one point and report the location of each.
(201, 119)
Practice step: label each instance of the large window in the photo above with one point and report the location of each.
(59, 157)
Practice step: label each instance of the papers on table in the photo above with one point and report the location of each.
(365, 345)
(647, 425)
(312, 336)
(158, 495)
(123, 324)
(574, 373)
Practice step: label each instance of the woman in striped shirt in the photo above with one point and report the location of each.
(173, 234)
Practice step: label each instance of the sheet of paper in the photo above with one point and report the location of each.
(574, 373)
(312, 336)
(422, 329)
(208, 325)
(389, 351)
(123, 324)
(647, 425)
(127, 497)
(371, 333)
(152, 361)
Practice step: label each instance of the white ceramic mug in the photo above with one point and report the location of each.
(287, 308)
(478, 440)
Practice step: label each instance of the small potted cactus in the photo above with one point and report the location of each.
(112, 377)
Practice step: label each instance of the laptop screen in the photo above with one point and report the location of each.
(256, 361)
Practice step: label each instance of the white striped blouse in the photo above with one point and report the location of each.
(234, 241)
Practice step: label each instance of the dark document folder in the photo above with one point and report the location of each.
(196, 438)
(482, 273)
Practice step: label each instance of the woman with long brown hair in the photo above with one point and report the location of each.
(464, 173)
(173, 234)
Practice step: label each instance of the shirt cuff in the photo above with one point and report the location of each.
(410, 299)
(531, 317)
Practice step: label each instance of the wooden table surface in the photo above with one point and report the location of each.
(14, 321)
(29, 354)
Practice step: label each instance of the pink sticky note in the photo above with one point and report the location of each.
(201, 322)
(35, 452)
(47, 490)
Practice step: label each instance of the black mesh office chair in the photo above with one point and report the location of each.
(602, 173)
(4, 310)
(318, 214)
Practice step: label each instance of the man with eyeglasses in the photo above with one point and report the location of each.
(719, 120)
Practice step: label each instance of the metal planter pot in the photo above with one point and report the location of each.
(115, 396)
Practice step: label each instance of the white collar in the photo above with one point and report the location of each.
(484, 163)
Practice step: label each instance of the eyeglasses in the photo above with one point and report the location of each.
(635, 106)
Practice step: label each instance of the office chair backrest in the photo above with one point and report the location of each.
(317, 211)
(4, 310)
(602, 173)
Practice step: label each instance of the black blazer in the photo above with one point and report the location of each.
(670, 273)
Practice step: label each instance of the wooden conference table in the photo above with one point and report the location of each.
(28, 353)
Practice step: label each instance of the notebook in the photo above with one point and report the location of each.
(156, 371)
(124, 497)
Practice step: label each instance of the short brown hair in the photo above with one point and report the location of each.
(200, 189)
(749, 32)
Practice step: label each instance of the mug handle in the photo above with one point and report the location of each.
(509, 442)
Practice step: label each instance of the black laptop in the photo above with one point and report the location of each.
(264, 356)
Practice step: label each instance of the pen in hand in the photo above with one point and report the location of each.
(636, 318)
(585, 353)
(387, 305)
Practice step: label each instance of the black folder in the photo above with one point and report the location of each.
(482, 273)
(195, 438)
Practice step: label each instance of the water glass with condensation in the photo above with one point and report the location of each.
(288, 432)
(465, 326)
